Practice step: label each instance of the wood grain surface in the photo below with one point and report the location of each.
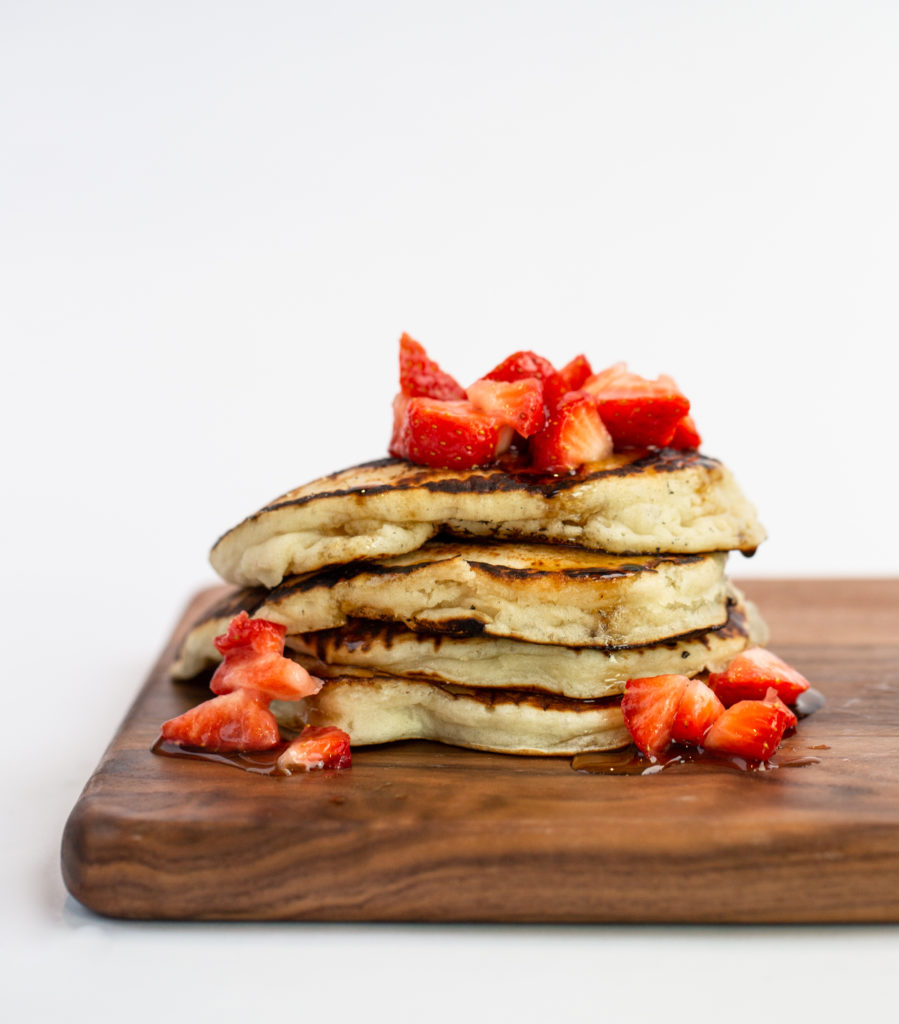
(422, 832)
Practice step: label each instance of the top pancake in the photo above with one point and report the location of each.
(634, 502)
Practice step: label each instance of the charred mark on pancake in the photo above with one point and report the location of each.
(662, 460)
(461, 628)
(505, 476)
(510, 572)
(334, 575)
(365, 634)
(542, 700)
(496, 697)
(329, 577)
(736, 625)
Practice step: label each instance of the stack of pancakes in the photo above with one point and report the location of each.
(492, 608)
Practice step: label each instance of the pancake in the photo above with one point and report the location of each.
(383, 709)
(582, 673)
(536, 592)
(634, 502)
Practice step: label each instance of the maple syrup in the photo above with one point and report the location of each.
(625, 761)
(629, 760)
(808, 702)
(257, 762)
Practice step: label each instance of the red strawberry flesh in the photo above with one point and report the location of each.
(751, 729)
(257, 636)
(772, 698)
(573, 435)
(520, 365)
(233, 721)
(749, 675)
(421, 377)
(516, 404)
(697, 711)
(649, 706)
(277, 677)
(685, 435)
(450, 434)
(253, 660)
(317, 747)
(638, 412)
(575, 372)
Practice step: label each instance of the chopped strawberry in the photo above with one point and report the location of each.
(573, 434)
(255, 636)
(751, 729)
(239, 720)
(521, 365)
(517, 404)
(317, 747)
(450, 434)
(698, 710)
(772, 698)
(254, 661)
(615, 374)
(277, 677)
(574, 373)
(638, 412)
(685, 434)
(420, 376)
(400, 407)
(749, 675)
(649, 707)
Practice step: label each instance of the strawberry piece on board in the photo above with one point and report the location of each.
(420, 376)
(749, 675)
(450, 434)
(649, 706)
(517, 404)
(638, 412)
(317, 747)
(751, 729)
(239, 720)
(254, 660)
(772, 698)
(520, 365)
(685, 435)
(574, 434)
(699, 708)
(574, 373)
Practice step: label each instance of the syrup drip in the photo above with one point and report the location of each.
(257, 762)
(629, 760)
(809, 702)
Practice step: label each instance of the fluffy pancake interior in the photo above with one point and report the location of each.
(535, 593)
(634, 502)
(532, 592)
(382, 709)
(577, 672)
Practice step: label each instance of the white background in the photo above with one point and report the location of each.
(215, 221)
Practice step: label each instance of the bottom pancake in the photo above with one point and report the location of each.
(375, 708)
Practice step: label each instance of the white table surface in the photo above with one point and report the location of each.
(216, 219)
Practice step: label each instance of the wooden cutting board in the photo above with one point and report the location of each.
(421, 832)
